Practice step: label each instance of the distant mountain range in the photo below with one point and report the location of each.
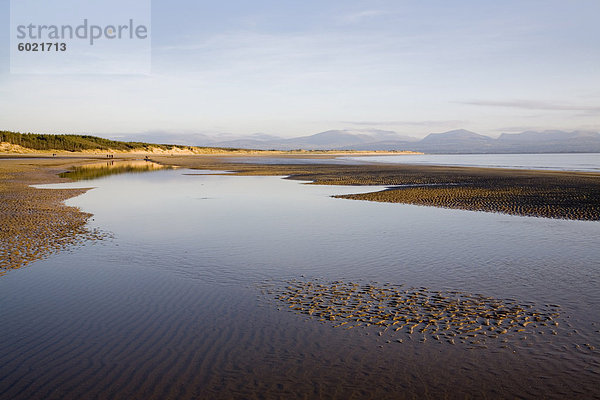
(329, 140)
(456, 141)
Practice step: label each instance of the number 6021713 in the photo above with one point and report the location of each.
(43, 46)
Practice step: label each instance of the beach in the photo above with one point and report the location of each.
(35, 222)
(228, 281)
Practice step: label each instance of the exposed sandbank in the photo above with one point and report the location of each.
(35, 222)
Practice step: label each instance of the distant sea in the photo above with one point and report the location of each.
(561, 161)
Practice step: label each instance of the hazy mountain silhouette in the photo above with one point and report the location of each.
(550, 141)
(455, 141)
(333, 139)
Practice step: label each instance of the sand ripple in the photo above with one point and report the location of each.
(449, 316)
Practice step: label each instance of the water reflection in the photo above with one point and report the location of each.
(103, 169)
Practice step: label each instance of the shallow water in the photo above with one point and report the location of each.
(589, 162)
(294, 161)
(172, 306)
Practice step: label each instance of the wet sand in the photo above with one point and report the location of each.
(35, 222)
(135, 333)
(450, 317)
(549, 194)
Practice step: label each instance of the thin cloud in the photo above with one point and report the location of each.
(410, 123)
(359, 16)
(518, 129)
(533, 105)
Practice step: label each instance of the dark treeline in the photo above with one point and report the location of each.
(74, 142)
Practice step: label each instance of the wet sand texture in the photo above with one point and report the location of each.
(449, 316)
(34, 222)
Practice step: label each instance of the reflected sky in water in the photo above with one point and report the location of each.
(276, 225)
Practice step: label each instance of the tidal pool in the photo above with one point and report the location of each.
(110, 167)
(185, 300)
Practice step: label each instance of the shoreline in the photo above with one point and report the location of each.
(36, 222)
(8, 150)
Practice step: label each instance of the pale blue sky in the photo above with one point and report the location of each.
(292, 68)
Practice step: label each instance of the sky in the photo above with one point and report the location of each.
(293, 68)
